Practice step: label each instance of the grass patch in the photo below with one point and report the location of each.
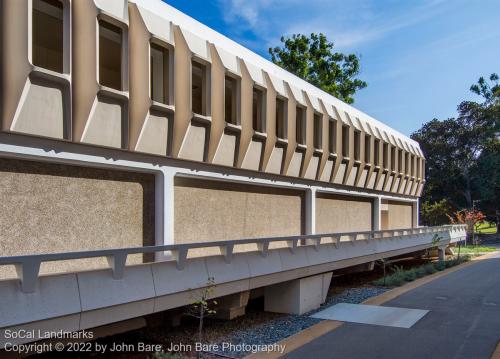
(472, 249)
(486, 228)
(400, 276)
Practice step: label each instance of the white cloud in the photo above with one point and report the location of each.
(350, 23)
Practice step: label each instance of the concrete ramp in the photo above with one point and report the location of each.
(372, 314)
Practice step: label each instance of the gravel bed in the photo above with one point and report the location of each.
(281, 328)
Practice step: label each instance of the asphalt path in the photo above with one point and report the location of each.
(463, 322)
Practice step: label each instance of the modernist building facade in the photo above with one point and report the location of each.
(127, 123)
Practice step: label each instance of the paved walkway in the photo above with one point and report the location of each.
(463, 322)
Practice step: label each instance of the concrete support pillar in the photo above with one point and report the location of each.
(164, 210)
(377, 204)
(442, 253)
(415, 214)
(232, 306)
(310, 211)
(298, 296)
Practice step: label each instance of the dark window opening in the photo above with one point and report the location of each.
(367, 148)
(332, 136)
(300, 129)
(281, 118)
(258, 109)
(400, 161)
(385, 155)
(357, 145)
(393, 158)
(199, 88)
(318, 131)
(110, 55)
(48, 38)
(230, 95)
(159, 74)
(376, 152)
(345, 141)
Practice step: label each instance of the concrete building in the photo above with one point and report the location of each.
(129, 124)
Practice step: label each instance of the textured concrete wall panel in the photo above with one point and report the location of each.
(209, 211)
(342, 214)
(400, 215)
(59, 208)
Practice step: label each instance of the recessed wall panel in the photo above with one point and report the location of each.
(48, 208)
(336, 213)
(399, 215)
(213, 210)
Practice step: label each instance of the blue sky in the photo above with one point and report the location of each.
(418, 57)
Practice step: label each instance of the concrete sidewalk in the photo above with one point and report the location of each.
(463, 322)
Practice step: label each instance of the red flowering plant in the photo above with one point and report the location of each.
(470, 217)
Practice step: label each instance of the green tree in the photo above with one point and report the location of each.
(435, 214)
(313, 59)
(490, 92)
(462, 154)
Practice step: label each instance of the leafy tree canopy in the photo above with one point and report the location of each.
(313, 59)
(463, 153)
(491, 93)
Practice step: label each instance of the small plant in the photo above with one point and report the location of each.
(382, 262)
(435, 239)
(202, 307)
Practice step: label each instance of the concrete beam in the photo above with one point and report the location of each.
(297, 296)
(232, 306)
(364, 267)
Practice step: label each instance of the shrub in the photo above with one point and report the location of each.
(395, 280)
(465, 258)
(400, 276)
(440, 265)
(420, 271)
(451, 263)
(430, 269)
(409, 275)
(380, 282)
